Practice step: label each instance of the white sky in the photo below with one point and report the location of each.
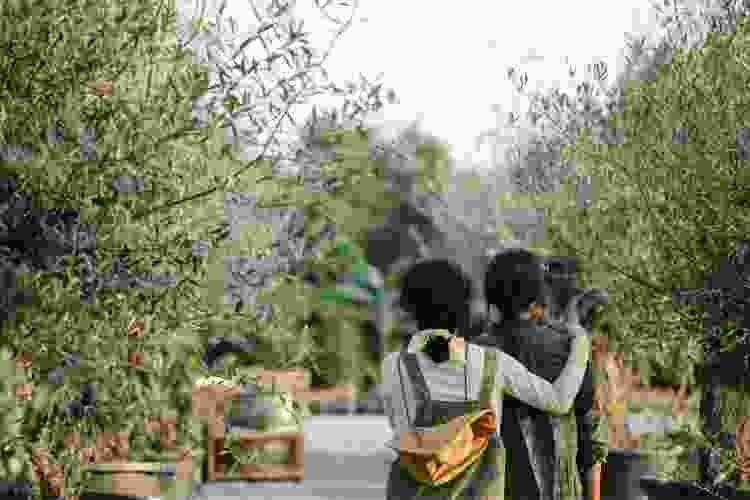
(447, 60)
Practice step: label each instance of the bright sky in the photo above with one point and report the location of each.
(447, 61)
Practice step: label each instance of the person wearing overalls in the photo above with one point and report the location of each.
(438, 377)
(550, 457)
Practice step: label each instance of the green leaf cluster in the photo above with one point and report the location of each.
(663, 213)
(52, 56)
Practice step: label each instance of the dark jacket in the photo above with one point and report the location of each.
(543, 350)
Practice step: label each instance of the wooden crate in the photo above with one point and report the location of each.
(293, 470)
(293, 379)
(208, 403)
(141, 479)
(325, 393)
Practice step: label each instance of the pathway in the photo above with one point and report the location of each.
(345, 459)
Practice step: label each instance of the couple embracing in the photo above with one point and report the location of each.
(506, 415)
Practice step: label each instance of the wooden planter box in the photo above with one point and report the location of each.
(326, 393)
(293, 470)
(144, 479)
(293, 379)
(208, 403)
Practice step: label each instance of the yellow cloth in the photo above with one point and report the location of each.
(442, 453)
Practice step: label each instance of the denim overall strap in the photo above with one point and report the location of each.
(421, 391)
(424, 416)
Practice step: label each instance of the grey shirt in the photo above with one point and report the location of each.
(445, 381)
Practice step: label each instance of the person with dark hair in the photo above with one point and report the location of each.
(439, 286)
(550, 456)
(438, 377)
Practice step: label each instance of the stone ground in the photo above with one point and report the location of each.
(345, 459)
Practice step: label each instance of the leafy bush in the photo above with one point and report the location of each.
(142, 186)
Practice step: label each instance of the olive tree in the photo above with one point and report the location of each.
(668, 172)
(140, 186)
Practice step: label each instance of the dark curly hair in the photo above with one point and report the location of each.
(515, 279)
(438, 294)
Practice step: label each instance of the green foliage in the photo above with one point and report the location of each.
(433, 163)
(682, 200)
(13, 454)
(669, 448)
(239, 454)
(342, 356)
(143, 129)
(359, 197)
(663, 213)
(273, 454)
(360, 200)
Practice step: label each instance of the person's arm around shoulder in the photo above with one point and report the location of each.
(556, 398)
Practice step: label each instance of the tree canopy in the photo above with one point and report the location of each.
(667, 200)
(144, 182)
